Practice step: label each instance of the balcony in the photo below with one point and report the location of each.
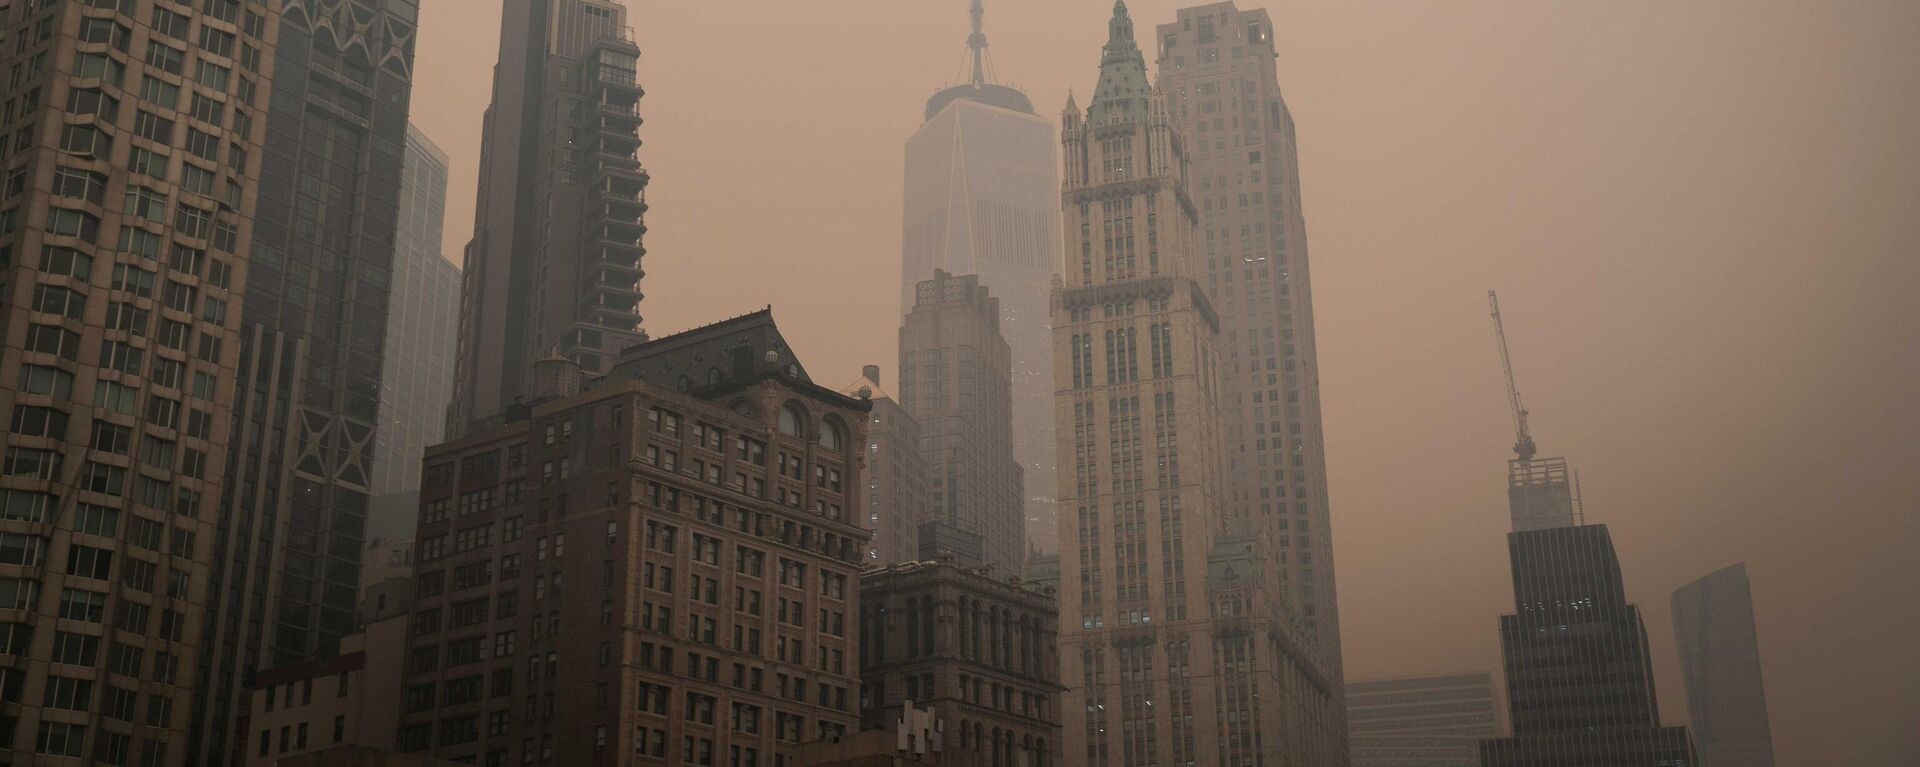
(617, 84)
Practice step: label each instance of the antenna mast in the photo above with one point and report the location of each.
(1523, 438)
(977, 42)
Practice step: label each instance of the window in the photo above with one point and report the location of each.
(80, 185)
(72, 223)
(792, 421)
(833, 436)
(66, 262)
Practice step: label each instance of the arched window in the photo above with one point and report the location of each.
(792, 420)
(833, 436)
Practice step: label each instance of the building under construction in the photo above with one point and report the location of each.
(1540, 491)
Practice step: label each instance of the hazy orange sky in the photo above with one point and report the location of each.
(1703, 219)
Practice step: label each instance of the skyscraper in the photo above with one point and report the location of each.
(285, 581)
(554, 264)
(1720, 663)
(1176, 645)
(423, 312)
(982, 199)
(1217, 67)
(657, 565)
(1422, 721)
(129, 174)
(954, 381)
(1579, 674)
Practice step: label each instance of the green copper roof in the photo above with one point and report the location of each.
(1123, 89)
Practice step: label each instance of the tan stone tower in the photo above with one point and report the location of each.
(1175, 644)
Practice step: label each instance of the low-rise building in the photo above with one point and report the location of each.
(976, 651)
(351, 699)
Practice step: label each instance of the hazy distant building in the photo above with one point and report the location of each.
(1166, 596)
(976, 649)
(1217, 67)
(1579, 674)
(982, 198)
(1720, 663)
(423, 313)
(656, 565)
(554, 264)
(1421, 721)
(287, 546)
(895, 479)
(130, 180)
(955, 382)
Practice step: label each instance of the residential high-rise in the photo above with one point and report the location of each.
(1579, 674)
(976, 649)
(554, 264)
(1217, 66)
(423, 312)
(895, 476)
(1720, 663)
(1166, 597)
(955, 382)
(657, 565)
(285, 581)
(130, 171)
(1421, 721)
(982, 199)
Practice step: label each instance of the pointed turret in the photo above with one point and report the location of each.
(1123, 87)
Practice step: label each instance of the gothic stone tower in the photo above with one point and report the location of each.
(1176, 646)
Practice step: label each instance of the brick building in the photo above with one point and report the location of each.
(654, 566)
(977, 651)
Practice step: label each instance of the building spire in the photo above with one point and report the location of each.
(977, 42)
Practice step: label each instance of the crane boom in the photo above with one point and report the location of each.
(1523, 438)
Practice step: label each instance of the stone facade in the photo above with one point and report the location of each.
(654, 566)
(130, 180)
(1217, 67)
(1167, 596)
(977, 651)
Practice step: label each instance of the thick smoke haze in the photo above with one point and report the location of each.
(1703, 219)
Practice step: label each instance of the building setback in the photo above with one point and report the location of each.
(285, 581)
(1165, 596)
(1579, 675)
(1720, 663)
(895, 475)
(977, 651)
(1421, 721)
(658, 565)
(554, 264)
(955, 382)
(423, 314)
(981, 198)
(1217, 66)
(130, 174)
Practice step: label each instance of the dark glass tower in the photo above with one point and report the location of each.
(554, 266)
(1579, 676)
(1720, 663)
(288, 538)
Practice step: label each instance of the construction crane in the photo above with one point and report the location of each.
(1523, 438)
